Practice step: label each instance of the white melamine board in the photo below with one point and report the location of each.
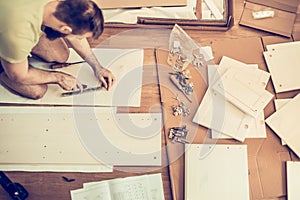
(125, 64)
(214, 172)
(280, 46)
(225, 119)
(257, 128)
(285, 121)
(279, 103)
(57, 167)
(238, 89)
(75, 136)
(284, 66)
(255, 75)
(293, 181)
(214, 113)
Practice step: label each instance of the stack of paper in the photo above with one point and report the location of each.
(145, 187)
(284, 66)
(215, 172)
(234, 101)
(284, 123)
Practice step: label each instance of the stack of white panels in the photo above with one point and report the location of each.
(234, 101)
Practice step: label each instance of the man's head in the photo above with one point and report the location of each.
(80, 17)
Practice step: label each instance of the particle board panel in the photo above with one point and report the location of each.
(125, 64)
(283, 65)
(216, 172)
(79, 136)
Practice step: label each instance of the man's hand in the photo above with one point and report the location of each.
(106, 78)
(68, 82)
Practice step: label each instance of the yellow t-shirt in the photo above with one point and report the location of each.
(20, 28)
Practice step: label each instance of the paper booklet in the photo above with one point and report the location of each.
(144, 187)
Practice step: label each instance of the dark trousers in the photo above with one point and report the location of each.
(1, 68)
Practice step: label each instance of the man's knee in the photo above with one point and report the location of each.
(38, 92)
(52, 51)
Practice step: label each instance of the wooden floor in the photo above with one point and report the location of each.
(44, 186)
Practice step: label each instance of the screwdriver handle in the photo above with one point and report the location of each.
(15, 190)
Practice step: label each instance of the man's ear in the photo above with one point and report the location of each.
(65, 29)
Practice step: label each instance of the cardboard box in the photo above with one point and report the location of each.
(109, 4)
(281, 23)
(267, 157)
(199, 24)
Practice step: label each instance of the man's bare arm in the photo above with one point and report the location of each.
(82, 47)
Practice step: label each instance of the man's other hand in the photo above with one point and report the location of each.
(106, 78)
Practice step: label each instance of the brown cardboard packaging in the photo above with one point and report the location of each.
(266, 157)
(281, 23)
(198, 24)
(105, 4)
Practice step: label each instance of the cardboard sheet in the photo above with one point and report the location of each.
(78, 136)
(282, 23)
(216, 172)
(168, 98)
(266, 157)
(283, 64)
(290, 5)
(284, 123)
(125, 64)
(293, 181)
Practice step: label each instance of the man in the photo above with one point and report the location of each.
(47, 28)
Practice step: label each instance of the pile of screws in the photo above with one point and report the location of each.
(187, 86)
(176, 58)
(198, 60)
(178, 134)
(180, 109)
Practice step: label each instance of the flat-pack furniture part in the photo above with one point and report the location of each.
(281, 23)
(195, 24)
(111, 4)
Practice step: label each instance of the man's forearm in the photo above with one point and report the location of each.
(24, 74)
(37, 76)
(83, 48)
